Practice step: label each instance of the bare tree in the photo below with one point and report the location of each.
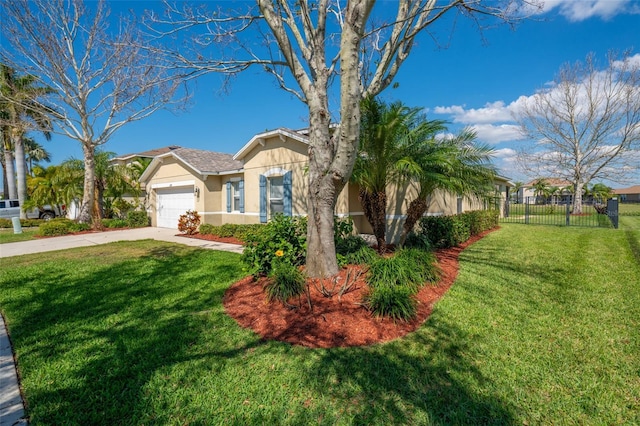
(310, 47)
(101, 78)
(586, 125)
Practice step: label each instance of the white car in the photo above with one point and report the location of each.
(11, 208)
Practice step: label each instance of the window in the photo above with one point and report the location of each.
(235, 195)
(235, 189)
(14, 203)
(276, 195)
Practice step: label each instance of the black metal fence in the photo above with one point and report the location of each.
(550, 211)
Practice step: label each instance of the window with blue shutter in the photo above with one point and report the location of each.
(263, 199)
(229, 197)
(287, 198)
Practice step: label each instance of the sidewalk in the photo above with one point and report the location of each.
(11, 404)
(91, 239)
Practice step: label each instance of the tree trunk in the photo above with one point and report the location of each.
(415, 211)
(323, 193)
(5, 185)
(88, 195)
(374, 206)
(21, 175)
(11, 174)
(577, 198)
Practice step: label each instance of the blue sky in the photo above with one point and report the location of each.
(467, 78)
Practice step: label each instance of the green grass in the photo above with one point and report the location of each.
(541, 327)
(7, 235)
(629, 209)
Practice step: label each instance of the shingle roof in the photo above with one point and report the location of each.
(560, 183)
(635, 189)
(149, 154)
(207, 161)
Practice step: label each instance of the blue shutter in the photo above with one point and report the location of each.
(263, 199)
(241, 190)
(287, 194)
(228, 197)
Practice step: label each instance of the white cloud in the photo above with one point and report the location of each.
(496, 133)
(490, 113)
(506, 154)
(580, 10)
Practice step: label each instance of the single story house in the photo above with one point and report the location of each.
(265, 177)
(628, 195)
(527, 193)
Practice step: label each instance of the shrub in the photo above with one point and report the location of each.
(417, 241)
(286, 281)
(395, 302)
(56, 227)
(137, 219)
(422, 264)
(449, 231)
(189, 222)
(364, 255)
(25, 223)
(114, 223)
(207, 229)
(282, 234)
(400, 270)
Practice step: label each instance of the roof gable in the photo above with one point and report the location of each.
(201, 162)
(261, 138)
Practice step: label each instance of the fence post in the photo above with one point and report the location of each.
(526, 211)
(568, 212)
(612, 211)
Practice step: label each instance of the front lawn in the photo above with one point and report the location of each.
(541, 327)
(7, 235)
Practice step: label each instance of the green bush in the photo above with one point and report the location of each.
(410, 268)
(207, 229)
(449, 231)
(286, 281)
(284, 235)
(114, 223)
(423, 265)
(25, 223)
(230, 230)
(137, 219)
(418, 241)
(364, 255)
(395, 302)
(56, 227)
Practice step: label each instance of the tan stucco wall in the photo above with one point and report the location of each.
(288, 155)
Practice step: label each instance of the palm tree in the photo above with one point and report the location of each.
(387, 133)
(598, 192)
(517, 186)
(34, 153)
(541, 190)
(22, 111)
(455, 165)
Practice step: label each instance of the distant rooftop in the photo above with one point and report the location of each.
(148, 154)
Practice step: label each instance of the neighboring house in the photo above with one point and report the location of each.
(629, 195)
(265, 177)
(528, 194)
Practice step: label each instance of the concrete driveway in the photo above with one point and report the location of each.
(95, 238)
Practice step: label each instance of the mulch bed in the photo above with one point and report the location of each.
(334, 321)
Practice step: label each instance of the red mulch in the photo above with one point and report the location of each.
(333, 321)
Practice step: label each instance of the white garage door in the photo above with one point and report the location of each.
(172, 203)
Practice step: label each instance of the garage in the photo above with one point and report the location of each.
(172, 203)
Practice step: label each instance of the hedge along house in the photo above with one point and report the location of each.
(265, 177)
